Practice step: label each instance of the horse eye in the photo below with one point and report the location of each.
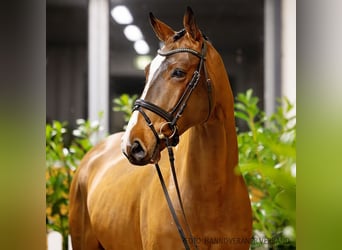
(178, 73)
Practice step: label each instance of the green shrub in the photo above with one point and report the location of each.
(62, 159)
(124, 104)
(267, 161)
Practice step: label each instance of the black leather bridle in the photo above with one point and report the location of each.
(173, 116)
(171, 120)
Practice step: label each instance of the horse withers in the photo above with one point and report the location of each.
(116, 198)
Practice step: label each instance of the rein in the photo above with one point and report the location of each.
(171, 120)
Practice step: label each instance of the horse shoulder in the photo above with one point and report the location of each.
(81, 227)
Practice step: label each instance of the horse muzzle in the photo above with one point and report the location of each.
(137, 154)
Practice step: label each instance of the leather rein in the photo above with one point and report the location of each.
(171, 120)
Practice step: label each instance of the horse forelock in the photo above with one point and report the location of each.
(179, 35)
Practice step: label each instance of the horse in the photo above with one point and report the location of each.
(116, 198)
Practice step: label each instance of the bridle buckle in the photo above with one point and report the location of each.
(173, 128)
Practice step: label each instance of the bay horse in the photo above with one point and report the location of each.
(117, 203)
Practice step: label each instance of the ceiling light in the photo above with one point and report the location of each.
(141, 62)
(133, 33)
(141, 47)
(122, 15)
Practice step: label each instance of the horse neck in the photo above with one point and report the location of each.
(208, 152)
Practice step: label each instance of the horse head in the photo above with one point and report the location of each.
(177, 94)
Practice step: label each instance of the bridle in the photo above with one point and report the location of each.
(171, 120)
(173, 116)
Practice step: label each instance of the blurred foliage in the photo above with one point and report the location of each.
(267, 161)
(124, 104)
(62, 159)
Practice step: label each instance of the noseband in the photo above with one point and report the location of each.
(173, 116)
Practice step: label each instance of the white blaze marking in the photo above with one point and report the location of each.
(155, 64)
(125, 139)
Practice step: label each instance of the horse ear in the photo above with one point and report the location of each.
(162, 30)
(190, 25)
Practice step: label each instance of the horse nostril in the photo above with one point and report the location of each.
(137, 151)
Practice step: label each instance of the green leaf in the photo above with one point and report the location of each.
(249, 94)
(240, 106)
(241, 115)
